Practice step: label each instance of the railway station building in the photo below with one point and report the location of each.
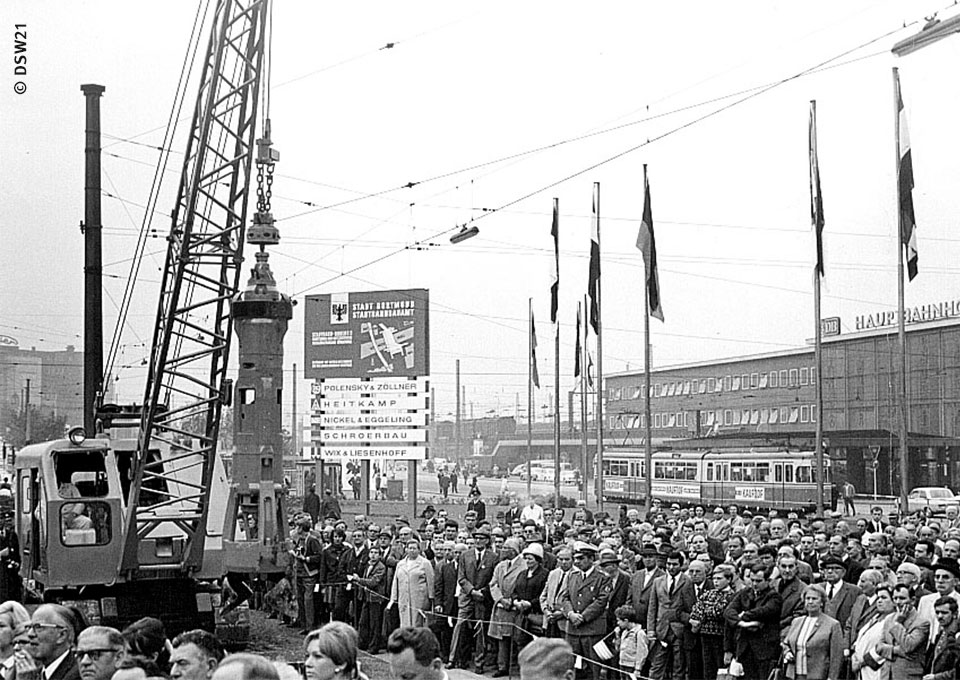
(770, 400)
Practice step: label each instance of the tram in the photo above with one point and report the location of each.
(759, 477)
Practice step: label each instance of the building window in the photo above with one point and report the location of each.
(783, 378)
(773, 379)
(793, 377)
(727, 383)
(813, 413)
(754, 381)
(763, 381)
(727, 417)
(794, 414)
(736, 383)
(803, 376)
(784, 415)
(813, 375)
(804, 414)
(703, 387)
(656, 390)
(656, 420)
(718, 386)
(711, 384)
(745, 380)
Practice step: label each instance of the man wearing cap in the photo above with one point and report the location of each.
(554, 622)
(504, 616)
(584, 603)
(840, 594)
(477, 505)
(445, 596)
(946, 572)
(641, 585)
(474, 571)
(619, 584)
(547, 659)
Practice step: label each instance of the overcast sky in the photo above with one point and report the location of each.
(504, 106)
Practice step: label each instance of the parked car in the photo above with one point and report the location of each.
(937, 498)
(519, 471)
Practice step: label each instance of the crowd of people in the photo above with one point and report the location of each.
(680, 593)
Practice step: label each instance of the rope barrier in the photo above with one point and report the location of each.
(479, 624)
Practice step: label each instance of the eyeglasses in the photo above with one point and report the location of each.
(35, 626)
(95, 654)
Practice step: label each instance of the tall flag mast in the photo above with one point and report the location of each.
(554, 306)
(907, 241)
(651, 295)
(593, 289)
(816, 218)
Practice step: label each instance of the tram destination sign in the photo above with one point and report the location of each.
(371, 334)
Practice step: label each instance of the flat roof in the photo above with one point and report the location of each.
(799, 351)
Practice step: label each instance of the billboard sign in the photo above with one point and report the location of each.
(376, 334)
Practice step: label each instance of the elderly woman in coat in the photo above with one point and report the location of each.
(813, 646)
(502, 590)
(412, 587)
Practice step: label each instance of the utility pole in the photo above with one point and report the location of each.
(456, 455)
(92, 263)
(27, 434)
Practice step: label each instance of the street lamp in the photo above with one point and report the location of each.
(464, 234)
(933, 31)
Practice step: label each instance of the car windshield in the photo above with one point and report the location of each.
(940, 493)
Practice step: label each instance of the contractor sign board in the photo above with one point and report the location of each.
(368, 354)
(371, 334)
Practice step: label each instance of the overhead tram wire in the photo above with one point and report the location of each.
(616, 156)
(172, 119)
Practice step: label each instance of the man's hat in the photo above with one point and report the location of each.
(648, 551)
(584, 548)
(947, 564)
(482, 532)
(498, 531)
(427, 509)
(608, 557)
(831, 561)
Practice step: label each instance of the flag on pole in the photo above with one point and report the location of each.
(533, 351)
(593, 280)
(908, 223)
(816, 198)
(555, 281)
(589, 369)
(576, 358)
(648, 246)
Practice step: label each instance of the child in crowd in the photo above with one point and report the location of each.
(631, 642)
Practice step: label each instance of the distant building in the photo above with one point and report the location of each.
(774, 394)
(56, 381)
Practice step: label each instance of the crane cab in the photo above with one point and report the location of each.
(69, 512)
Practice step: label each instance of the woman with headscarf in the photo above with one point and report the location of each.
(530, 584)
(505, 617)
(412, 587)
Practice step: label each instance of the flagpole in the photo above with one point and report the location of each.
(584, 492)
(647, 442)
(816, 202)
(901, 331)
(529, 391)
(556, 363)
(599, 383)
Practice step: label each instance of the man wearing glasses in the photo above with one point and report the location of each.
(99, 649)
(51, 642)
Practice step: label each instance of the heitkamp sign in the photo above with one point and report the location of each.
(366, 335)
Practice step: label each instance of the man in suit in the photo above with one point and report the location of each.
(909, 575)
(99, 651)
(791, 590)
(52, 633)
(372, 590)
(840, 594)
(641, 585)
(554, 622)
(754, 615)
(945, 575)
(474, 571)
(904, 640)
(876, 523)
(692, 649)
(864, 608)
(445, 596)
(943, 656)
(665, 624)
(619, 584)
(584, 603)
(195, 655)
